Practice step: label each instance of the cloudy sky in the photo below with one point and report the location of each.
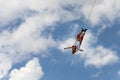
(33, 34)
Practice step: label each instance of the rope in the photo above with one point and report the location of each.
(90, 12)
(91, 9)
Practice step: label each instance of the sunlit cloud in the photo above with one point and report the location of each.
(31, 71)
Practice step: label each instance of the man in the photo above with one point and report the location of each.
(78, 41)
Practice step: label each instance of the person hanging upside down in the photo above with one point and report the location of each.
(78, 41)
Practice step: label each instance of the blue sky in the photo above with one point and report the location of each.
(34, 33)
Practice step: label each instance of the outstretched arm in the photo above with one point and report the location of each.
(67, 47)
(80, 49)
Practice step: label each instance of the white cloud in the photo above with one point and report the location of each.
(100, 30)
(104, 8)
(17, 8)
(31, 71)
(100, 57)
(27, 38)
(68, 43)
(11, 9)
(5, 65)
(97, 55)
